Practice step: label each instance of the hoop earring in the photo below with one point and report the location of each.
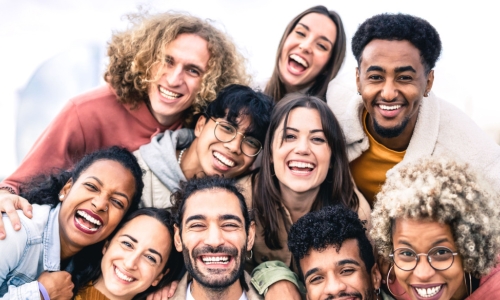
(251, 255)
(388, 287)
(377, 293)
(469, 290)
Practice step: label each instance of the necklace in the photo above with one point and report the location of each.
(180, 156)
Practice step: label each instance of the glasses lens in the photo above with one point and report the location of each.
(250, 146)
(225, 132)
(440, 258)
(405, 259)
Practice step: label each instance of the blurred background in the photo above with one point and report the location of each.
(52, 50)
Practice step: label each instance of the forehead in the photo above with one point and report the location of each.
(148, 231)
(422, 233)
(189, 48)
(390, 55)
(320, 24)
(330, 258)
(297, 116)
(211, 204)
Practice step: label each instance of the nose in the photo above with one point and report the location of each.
(174, 75)
(389, 91)
(302, 147)
(100, 203)
(235, 145)
(130, 260)
(333, 286)
(214, 236)
(423, 270)
(305, 45)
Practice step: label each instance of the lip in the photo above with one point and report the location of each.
(300, 173)
(292, 70)
(389, 114)
(219, 166)
(84, 229)
(123, 272)
(168, 100)
(216, 265)
(435, 297)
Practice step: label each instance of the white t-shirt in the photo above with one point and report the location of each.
(190, 297)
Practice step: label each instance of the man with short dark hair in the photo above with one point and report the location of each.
(334, 257)
(396, 118)
(214, 232)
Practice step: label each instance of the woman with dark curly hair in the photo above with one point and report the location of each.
(310, 54)
(162, 70)
(72, 210)
(438, 225)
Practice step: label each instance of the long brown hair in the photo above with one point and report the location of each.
(275, 87)
(337, 188)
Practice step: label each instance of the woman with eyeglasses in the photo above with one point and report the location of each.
(226, 140)
(439, 227)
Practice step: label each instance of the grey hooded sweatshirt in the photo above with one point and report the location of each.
(162, 173)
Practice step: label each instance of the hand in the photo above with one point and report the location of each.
(283, 289)
(165, 292)
(8, 204)
(58, 284)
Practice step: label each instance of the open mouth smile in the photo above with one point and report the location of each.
(429, 292)
(168, 94)
(224, 160)
(297, 64)
(300, 167)
(87, 221)
(122, 276)
(218, 260)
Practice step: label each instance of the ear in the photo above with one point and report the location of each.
(358, 84)
(202, 121)
(158, 278)
(376, 277)
(105, 248)
(251, 236)
(430, 81)
(177, 239)
(66, 188)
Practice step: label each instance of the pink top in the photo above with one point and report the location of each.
(88, 122)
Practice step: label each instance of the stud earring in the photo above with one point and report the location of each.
(359, 93)
(61, 196)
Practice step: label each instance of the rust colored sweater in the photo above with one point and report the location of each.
(88, 122)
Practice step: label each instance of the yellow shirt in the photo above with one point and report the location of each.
(369, 170)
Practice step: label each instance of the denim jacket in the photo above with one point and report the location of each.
(25, 254)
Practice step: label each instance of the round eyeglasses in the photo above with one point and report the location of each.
(440, 258)
(226, 132)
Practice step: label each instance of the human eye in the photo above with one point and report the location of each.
(169, 60)
(300, 33)
(322, 46)
(91, 186)
(318, 140)
(226, 127)
(151, 258)
(196, 226)
(347, 271)
(441, 253)
(230, 226)
(117, 203)
(405, 78)
(126, 244)
(289, 136)
(375, 77)
(406, 254)
(316, 279)
(252, 143)
(194, 72)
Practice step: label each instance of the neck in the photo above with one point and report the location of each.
(166, 121)
(190, 162)
(398, 143)
(101, 287)
(462, 293)
(298, 204)
(67, 248)
(233, 292)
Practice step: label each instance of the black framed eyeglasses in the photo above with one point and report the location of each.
(225, 132)
(440, 258)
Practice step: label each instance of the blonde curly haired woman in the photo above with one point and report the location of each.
(162, 70)
(439, 227)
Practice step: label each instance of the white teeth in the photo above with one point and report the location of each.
(215, 259)
(300, 165)
(388, 107)
(89, 218)
(224, 159)
(168, 94)
(429, 292)
(299, 59)
(122, 276)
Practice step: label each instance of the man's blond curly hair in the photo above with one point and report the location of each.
(439, 189)
(133, 52)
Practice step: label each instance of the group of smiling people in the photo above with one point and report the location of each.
(307, 189)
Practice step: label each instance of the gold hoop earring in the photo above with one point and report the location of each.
(388, 287)
(469, 290)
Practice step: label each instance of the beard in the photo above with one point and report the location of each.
(211, 280)
(357, 295)
(390, 132)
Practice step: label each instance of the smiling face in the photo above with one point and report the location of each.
(335, 274)
(213, 238)
(179, 78)
(392, 81)
(218, 158)
(135, 257)
(302, 159)
(424, 282)
(94, 204)
(306, 51)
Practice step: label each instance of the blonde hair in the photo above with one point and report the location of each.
(133, 52)
(441, 190)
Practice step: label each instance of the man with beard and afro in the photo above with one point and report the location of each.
(215, 234)
(334, 256)
(395, 118)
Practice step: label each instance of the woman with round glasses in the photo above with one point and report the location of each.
(440, 229)
(225, 141)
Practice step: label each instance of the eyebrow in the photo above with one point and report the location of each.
(150, 249)
(321, 37)
(397, 70)
(310, 272)
(117, 193)
(196, 217)
(221, 218)
(347, 262)
(311, 131)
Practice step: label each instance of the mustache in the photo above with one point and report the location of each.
(343, 294)
(212, 250)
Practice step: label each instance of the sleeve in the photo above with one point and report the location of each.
(58, 147)
(270, 272)
(12, 250)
